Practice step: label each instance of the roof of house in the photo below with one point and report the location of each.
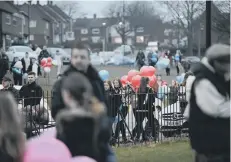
(59, 11)
(8, 6)
(45, 15)
(53, 13)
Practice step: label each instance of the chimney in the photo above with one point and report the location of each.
(94, 16)
(48, 2)
(51, 3)
(118, 14)
(37, 2)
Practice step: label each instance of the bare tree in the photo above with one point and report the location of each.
(221, 19)
(121, 11)
(184, 13)
(69, 7)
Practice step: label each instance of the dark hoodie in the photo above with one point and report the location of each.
(98, 87)
(57, 104)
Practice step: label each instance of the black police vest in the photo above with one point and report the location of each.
(208, 135)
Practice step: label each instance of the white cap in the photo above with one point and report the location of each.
(217, 51)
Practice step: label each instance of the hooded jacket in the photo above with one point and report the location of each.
(57, 104)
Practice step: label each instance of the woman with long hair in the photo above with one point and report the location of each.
(11, 131)
(145, 108)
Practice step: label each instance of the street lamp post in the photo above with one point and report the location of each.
(208, 23)
(105, 36)
(199, 40)
(29, 3)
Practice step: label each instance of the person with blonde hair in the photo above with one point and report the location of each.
(11, 136)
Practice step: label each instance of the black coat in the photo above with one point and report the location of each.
(32, 94)
(98, 87)
(4, 66)
(57, 104)
(30, 69)
(141, 97)
(43, 54)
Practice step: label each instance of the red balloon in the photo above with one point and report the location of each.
(49, 64)
(151, 70)
(136, 81)
(124, 79)
(152, 80)
(49, 59)
(131, 74)
(43, 62)
(145, 72)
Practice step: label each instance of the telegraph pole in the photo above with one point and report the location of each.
(208, 23)
(29, 3)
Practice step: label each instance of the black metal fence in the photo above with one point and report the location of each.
(136, 117)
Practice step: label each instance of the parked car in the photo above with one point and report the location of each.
(19, 51)
(172, 121)
(96, 59)
(121, 60)
(66, 56)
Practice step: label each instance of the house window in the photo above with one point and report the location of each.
(166, 41)
(31, 37)
(32, 23)
(8, 19)
(84, 31)
(14, 21)
(47, 25)
(140, 39)
(140, 29)
(84, 39)
(95, 31)
(95, 39)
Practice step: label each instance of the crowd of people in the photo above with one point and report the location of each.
(153, 57)
(84, 108)
(20, 67)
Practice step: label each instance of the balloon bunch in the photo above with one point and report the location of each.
(46, 63)
(135, 76)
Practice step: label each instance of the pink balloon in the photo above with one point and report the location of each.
(46, 150)
(82, 159)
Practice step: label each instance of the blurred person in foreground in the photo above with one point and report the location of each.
(80, 64)
(77, 94)
(208, 110)
(9, 87)
(11, 136)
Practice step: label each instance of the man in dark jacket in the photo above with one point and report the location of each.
(80, 63)
(34, 113)
(8, 87)
(140, 59)
(43, 54)
(4, 65)
(208, 108)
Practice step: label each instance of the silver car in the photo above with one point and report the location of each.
(20, 51)
(65, 55)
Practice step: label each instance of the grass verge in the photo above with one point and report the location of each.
(165, 152)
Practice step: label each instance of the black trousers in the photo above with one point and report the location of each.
(177, 69)
(167, 71)
(139, 117)
(120, 126)
(17, 79)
